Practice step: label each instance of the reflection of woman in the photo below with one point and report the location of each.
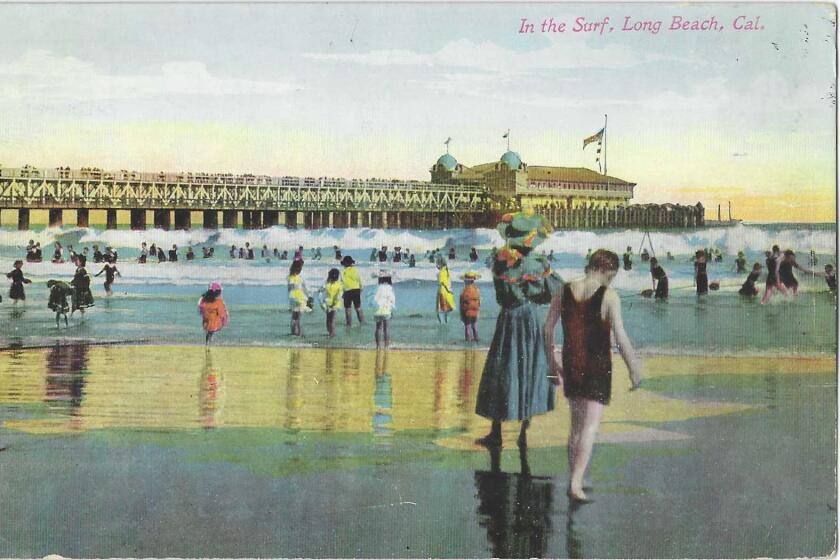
(514, 508)
(590, 310)
(514, 384)
(66, 369)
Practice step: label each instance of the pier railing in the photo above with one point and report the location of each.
(64, 188)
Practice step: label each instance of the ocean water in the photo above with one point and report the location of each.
(157, 301)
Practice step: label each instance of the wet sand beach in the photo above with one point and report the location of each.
(147, 450)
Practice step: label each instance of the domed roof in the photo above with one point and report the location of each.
(448, 162)
(512, 159)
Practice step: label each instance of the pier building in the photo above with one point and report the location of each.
(537, 186)
(457, 197)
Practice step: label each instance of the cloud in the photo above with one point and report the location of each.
(43, 76)
(490, 57)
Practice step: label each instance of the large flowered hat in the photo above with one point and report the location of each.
(524, 230)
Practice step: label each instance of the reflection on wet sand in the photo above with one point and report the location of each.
(327, 390)
(515, 508)
(383, 397)
(65, 382)
(333, 390)
(210, 394)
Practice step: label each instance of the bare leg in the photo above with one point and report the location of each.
(57, 324)
(575, 410)
(768, 293)
(207, 338)
(385, 332)
(377, 333)
(348, 316)
(592, 413)
(474, 327)
(360, 315)
(467, 333)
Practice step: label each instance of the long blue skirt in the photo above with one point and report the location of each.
(515, 384)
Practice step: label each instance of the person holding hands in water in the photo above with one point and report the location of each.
(589, 310)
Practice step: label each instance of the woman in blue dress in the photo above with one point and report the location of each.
(515, 383)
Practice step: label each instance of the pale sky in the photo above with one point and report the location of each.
(373, 90)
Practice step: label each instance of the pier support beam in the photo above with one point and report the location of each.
(247, 222)
(82, 217)
(210, 219)
(291, 219)
(256, 219)
(23, 218)
(111, 219)
(270, 218)
(307, 220)
(163, 219)
(182, 219)
(56, 217)
(138, 219)
(229, 219)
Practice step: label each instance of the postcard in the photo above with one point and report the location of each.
(400, 280)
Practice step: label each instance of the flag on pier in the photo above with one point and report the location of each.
(594, 138)
(506, 134)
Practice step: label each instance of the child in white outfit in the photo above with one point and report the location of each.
(384, 301)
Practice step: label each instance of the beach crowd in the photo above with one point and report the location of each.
(523, 369)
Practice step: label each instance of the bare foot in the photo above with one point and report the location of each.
(578, 496)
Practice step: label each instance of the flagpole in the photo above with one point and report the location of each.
(605, 144)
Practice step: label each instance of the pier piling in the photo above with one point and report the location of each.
(270, 218)
(229, 219)
(138, 219)
(163, 219)
(23, 218)
(56, 217)
(83, 217)
(110, 219)
(210, 219)
(182, 219)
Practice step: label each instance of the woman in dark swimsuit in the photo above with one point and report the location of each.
(701, 278)
(772, 282)
(16, 292)
(590, 310)
(660, 279)
(748, 288)
(786, 266)
(82, 296)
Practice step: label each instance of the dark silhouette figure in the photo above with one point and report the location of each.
(514, 508)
